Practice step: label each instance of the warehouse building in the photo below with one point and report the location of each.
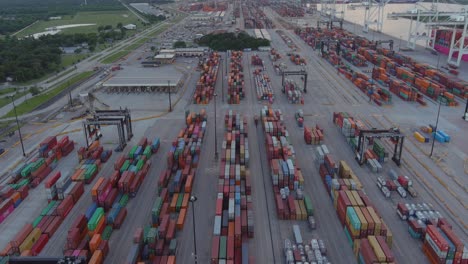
(136, 80)
(190, 52)
(164, 58)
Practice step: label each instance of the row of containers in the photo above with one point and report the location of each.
(236, 85)
(89, 235)
(392, 66)
(425, 133)
(375, 154)
(157, 241)
(293, 92)
(297, 59)
(90, 159)
(287, 178)
(313, 135)
(263, 86)
(440, 243)
(274, 55)
(62, 195)
(32, 173)
(204, 90)
(300, 250)
(233, 224)
(366, 231)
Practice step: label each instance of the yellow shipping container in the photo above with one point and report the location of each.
(359, 201)
(344, 169)
(377, 249)
(335, 196)
(298, 210)
(30, 239)
(356, 180)
(419, 137)
(228, 156)
(377, 221)
(300, 177)
(389, 237)
(356, 246)
(303, 209)
(242, 171)
(351, 197)
(362, 219)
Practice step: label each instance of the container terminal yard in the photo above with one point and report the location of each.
(326, 147)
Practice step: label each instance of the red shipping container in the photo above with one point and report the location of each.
(432, 231)
(219, 206)
(24, 191)
(104, 247)
(215, 250)
(114, 178)
(77, 191)
(53, 179)
(110, 198)
(39, 245)
(138, 236)
(119, 162)
(171, 230)
(384, 246)
(65, 206)
(230, 248)
(53, 226)
(366, 252)
(120, 218)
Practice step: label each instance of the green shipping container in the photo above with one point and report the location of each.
(146, 230)
(147, 152)
(152, 236)
(124, 200)
(179, 201)
(222, 247)
(308, 205)
(46, 210)
(27, 170)
(157, 207)
(132, 152)
(107, 233)
(173, 246)
(140, 164)
(125, 166)
(37, 221)
(98, 214)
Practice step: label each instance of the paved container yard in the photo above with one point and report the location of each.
(440, 182)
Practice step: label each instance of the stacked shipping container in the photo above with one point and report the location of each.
(31, 174)
(205, 86)
(263, 86)
(157, 242)
(89, 235)
(236, 87)
(234, 212)
(293, 92)
(90, 159)
(361, 221)
(287, 178)
(440, 242)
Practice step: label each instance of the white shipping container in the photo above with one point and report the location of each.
(217, 226)
(231, 208)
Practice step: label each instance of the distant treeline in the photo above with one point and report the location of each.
(15, 15)
(232, 41)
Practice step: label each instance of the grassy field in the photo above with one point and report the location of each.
(101, 18)
(7, 90)
(70, 59)
(6, 100)
(115, 56)
(61, 75)
(36, 101)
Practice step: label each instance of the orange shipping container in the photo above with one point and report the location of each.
(96, 258)
(181, 218)
(172, 206)
(96, 186)
(185, 201)
(171, 260)
(26, 253)
(94, 243)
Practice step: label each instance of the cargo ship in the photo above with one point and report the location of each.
(443, 39)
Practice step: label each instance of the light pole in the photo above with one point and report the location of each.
(399, 45)
(193, 199)
(215, 135)
(438, 59)
(465, 115)
(17, 124)
(169, 89)
(222, 81)
(435, 129)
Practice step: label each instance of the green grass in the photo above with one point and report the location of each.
(6, 100)
(70, 59)
(37, 100)
(61, 75)
(7, 90)
(100, 18)
(114, 56)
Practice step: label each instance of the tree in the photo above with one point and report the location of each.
(34, 90)
(153, 48)
(180, 44)
(119, 25)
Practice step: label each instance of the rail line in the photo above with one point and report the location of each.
(425, 184)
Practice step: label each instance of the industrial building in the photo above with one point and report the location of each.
(190, 52)
(164, 58)
(145, 80)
